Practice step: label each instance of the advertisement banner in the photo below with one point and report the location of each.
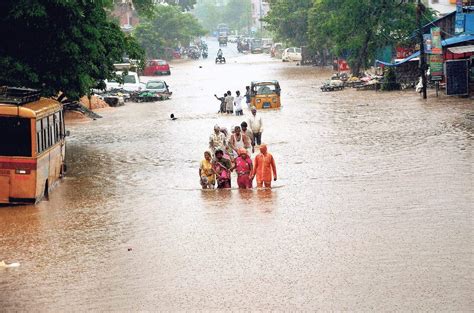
(436, 47)
(459, 24)
(458, 6)
(436, 66)
(427, 42)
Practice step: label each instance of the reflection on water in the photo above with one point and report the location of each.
(372, 209)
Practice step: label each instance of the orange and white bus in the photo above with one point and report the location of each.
(32, 145)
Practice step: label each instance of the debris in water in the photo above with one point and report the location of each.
(6, 265)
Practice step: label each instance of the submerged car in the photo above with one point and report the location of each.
(291, 54)
(265, 94)
(157, 86)
(157, 67)
(131, 82)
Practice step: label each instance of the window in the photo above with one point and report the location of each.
(155, 85)
(298, 50)
(39, 137)
(15, 136)
(129, 79)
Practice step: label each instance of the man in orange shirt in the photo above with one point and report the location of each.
(264, 165)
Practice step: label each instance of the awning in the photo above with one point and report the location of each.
(411, 57)
(462, 49)
(458, 39)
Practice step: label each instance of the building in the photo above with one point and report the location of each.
(260, 9)
(444, 6)
(125, 14)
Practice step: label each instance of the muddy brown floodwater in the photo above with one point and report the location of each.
(372, 210)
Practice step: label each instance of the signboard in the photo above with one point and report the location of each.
(457, 79)
(458, 6)
(403, 52)
(459, 24)
(343, 65)
(436, 47)
(436, 66)
(427, 42)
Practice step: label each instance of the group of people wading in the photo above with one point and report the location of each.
(233, 153)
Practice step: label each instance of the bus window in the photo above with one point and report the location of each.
(15, 139)
(52, 140)
(57, 135)
(44, 125)
(39, 138)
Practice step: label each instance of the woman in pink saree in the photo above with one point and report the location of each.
(243, 166)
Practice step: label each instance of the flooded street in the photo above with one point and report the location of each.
(372, 210)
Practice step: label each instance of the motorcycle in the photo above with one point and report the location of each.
(204, 54)
(220, 59)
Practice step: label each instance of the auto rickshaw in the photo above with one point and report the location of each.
(265, 94)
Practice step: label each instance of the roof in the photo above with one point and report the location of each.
(265, 82)
(414, 55)
(36, 109)
(462, 49)
(458, 39)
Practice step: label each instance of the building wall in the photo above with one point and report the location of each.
(442, 6)
(260, 9)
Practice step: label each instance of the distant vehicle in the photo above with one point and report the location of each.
(220, 59)
(232, 38)
(291, 54)
(32, 145)
(256, 46)
(267, 44)
(156, 67)
(131, 82)
(157, 86)
(223, 28)
(277, 50)
(222, 39)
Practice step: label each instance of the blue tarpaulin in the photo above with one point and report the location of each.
(457, 39)
(414, 55)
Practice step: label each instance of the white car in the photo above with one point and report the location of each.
(291, 54)
(131, 82)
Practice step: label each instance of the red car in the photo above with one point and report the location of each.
(156, 67)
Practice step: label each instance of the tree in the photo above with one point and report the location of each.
(357, 28)
(288, 20)
(168, 27)
(208, 14)
(60, 45)
(237, 14)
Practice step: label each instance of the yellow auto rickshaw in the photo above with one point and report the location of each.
(265, 94)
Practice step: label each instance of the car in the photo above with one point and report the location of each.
(157, 86)
(291, 54)
(267, 44)
(131, 82)
(156, 67)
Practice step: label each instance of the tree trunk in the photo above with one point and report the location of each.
(361, 61)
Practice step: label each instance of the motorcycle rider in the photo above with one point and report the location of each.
(220, 53)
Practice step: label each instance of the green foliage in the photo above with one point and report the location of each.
(288, 20)
(353, 29)
(59, 45)
(390, 80)
(168, 27)
(236, 14)
(357, 28)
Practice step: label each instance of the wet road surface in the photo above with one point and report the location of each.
(372, 210)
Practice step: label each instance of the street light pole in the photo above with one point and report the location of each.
(419, 12)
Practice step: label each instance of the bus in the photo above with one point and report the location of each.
(32, 145)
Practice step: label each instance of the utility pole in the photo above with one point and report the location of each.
(419, 11)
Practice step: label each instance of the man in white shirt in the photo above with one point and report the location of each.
(238, 104)
(217, 140)
(229, 103)
(256, 126)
